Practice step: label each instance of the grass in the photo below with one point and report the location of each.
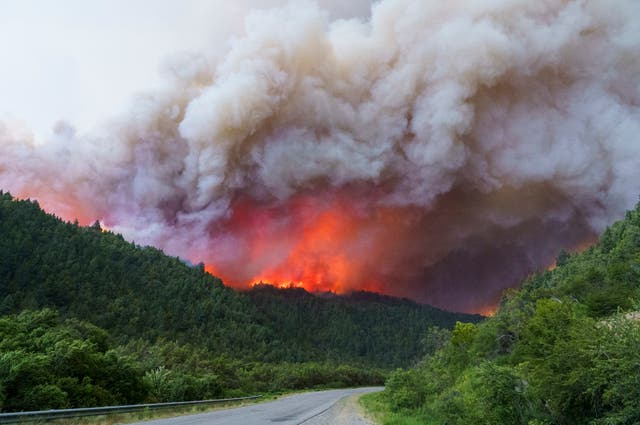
(378, 411)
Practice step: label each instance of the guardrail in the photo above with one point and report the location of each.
(41, 415)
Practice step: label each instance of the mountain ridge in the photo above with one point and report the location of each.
(172, 322)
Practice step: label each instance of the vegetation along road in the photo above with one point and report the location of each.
(307, 408)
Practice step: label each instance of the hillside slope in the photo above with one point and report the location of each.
(139, 292)
(565, 349)
(178, 322)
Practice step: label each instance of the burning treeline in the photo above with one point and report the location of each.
(435, 149)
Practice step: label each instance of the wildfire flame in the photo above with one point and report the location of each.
(314, 243)
(582, 246)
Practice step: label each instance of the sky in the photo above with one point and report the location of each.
(83, 61)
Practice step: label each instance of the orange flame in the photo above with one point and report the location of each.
(317, 244)
(487, 310)
(313, 263)
(582, 246)
(65, 206)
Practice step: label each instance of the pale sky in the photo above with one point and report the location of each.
(81, 60)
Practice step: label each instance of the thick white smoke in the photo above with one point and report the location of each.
(503, 129)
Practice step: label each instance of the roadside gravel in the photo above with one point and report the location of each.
(345, 412)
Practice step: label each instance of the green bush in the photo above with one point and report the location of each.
(404, 390)
(48, 363)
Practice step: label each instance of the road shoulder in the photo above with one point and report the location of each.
(345, 412)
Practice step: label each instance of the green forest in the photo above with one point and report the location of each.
(88, 319)
(564, 349)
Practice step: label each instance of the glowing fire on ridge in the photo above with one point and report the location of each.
(322, 242)
(318, 244)
(582, 246)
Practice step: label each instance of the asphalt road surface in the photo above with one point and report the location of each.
(290, 410)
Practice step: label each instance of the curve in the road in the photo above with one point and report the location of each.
(290, 410)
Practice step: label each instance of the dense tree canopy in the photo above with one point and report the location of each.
(46, 362)
(184, 334)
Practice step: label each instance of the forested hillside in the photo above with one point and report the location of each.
(565, 349)
(179, 330)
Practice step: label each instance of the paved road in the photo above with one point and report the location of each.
(291, 410)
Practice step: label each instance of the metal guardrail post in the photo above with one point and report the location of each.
(16, 417)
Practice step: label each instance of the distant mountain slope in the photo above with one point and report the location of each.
(139, 293)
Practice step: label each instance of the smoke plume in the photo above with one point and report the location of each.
(434, 149)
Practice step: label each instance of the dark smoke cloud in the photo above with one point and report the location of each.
(466, 142)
